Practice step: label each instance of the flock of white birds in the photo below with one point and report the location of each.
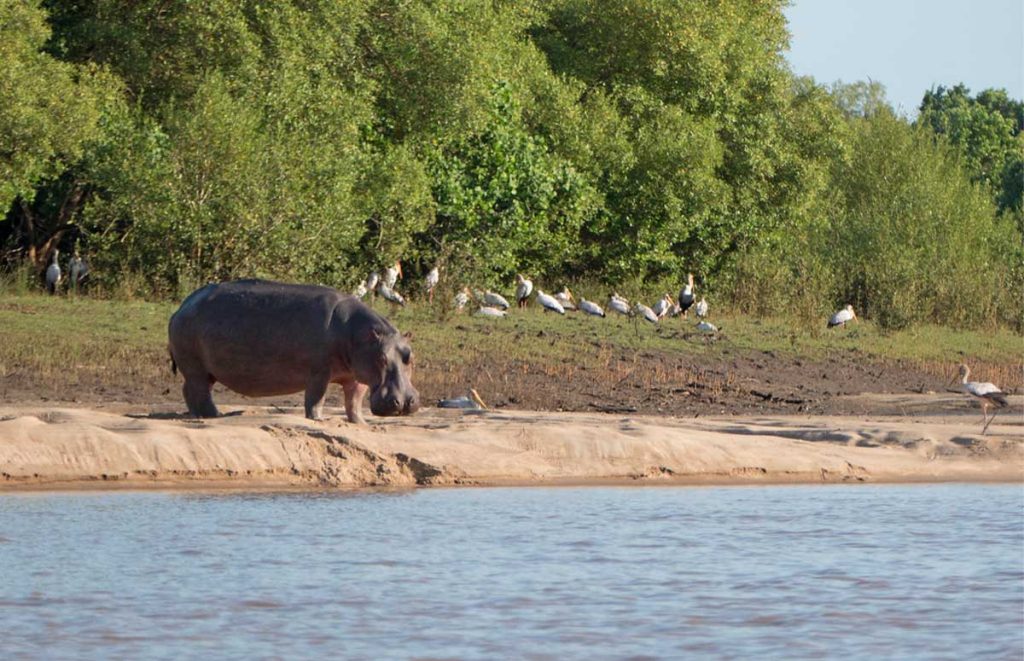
(493, 304)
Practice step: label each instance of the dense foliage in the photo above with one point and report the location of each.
(628, 142)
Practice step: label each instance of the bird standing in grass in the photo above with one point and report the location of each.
(645, 312)
(591, 308)
(360, 290)
(462, 299)
(494, 313)
(494, 299)
(390, 295)
(549, 303)
(707, 327)
(663, 305)
(701, 308)
(524, 288)
(565, 298)
(987, 393)
(619, 304)
(78, 271)
(393, 274)
(53, 274)
(686, 296)
(840, 318)
(433, 277)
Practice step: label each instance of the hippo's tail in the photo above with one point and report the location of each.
(174, 365)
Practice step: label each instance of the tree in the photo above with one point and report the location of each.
(49, 113)
(986, 130)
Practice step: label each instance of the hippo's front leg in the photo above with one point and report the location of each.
(354, 394)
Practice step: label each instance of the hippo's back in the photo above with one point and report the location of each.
(250, 334)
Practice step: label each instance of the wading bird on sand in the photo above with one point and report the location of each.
(987, 393)
(469, 402)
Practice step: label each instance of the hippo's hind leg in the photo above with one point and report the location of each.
(199, 396)
(316, 388)
(354, 394)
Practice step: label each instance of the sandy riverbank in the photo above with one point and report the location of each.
(54, 447)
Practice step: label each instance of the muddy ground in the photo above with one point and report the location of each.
(732, 382)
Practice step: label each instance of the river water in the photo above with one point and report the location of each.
(929, 571)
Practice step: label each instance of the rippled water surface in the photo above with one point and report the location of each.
(773, 572)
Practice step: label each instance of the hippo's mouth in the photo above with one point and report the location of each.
(385, 402)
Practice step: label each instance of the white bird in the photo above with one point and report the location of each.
(702, 308)
(495, 313)
(524, 288)
(389, 294)
(360, 291)
(619, 304)
(840, 318)
(987, 393)
(686, 296)
(471, 402)
(372, 281)
(645, 312)
(462, 299)
(433, 277)
(591, 308)
(495, 300)
(53, 274)
(707, 327)
(663, 305)
(549, 302)
(392, 274)
(565, 298)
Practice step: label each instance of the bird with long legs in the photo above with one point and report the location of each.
(53, 274)
(686, 297)
(988, 394)
(524, 287)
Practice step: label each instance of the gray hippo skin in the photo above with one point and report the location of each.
(263, 339)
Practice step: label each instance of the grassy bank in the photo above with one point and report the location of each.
(68, 348)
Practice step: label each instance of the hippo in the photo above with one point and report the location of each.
(262, 338)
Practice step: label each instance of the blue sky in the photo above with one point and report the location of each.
(910, 45)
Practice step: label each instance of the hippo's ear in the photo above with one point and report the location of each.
(407, 335)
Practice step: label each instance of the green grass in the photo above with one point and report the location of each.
(60, 340)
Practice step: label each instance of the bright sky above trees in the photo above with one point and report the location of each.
(910, 45)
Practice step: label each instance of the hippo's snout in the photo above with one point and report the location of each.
(391, 401)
